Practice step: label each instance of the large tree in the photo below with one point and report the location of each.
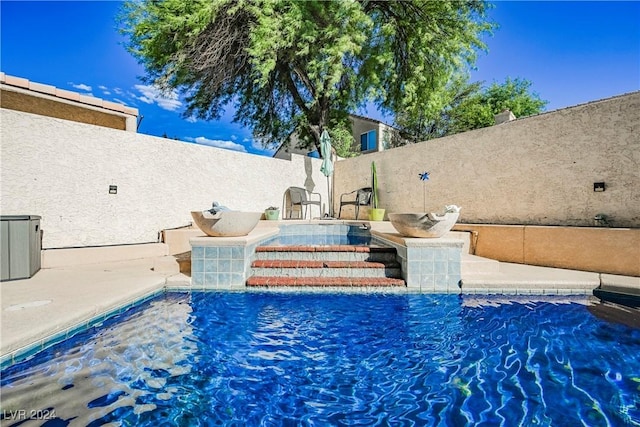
(302, 65)
(462, 106)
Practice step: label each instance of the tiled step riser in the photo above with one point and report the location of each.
(328, 272)
(325, 282)
(327, 256)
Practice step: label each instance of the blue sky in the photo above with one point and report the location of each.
(572, 51)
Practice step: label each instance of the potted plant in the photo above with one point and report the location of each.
(272, 213)
(375, 213)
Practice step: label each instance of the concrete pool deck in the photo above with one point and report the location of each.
(57, 301)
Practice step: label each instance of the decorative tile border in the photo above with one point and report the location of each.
(26, 352)
(533, 291)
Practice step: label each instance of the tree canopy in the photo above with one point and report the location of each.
(292, 65)
(462, 106)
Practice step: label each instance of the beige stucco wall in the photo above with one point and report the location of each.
(605, 250)
(538, 170)
(62, 170)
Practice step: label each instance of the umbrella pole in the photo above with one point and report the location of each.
(329, 190)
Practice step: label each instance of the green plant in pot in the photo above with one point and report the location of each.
(272, 213)
(375, 213)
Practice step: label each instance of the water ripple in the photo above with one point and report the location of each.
(335, 360)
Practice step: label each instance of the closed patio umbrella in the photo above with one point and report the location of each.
(327, 165)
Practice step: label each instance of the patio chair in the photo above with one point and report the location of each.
(363, 198)
(297, 196)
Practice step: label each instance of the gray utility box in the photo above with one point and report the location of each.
(21, 243)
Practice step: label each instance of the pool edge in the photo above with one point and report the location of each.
(25, 352)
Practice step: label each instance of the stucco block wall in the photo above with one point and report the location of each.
(62, 170)
(615, 251)
(499, 242)
(538, 170)
(605, 250)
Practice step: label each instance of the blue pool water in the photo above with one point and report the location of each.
(315, 240)
(358, 239)
(324, 234)
(289, 359)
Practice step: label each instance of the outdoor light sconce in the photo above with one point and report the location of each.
(598, 186)
(113, 189)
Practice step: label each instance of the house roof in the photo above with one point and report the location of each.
(282, 147)
(369, 119)
(66, 95)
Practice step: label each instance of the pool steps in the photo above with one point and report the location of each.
(292, 268)
(330, 265)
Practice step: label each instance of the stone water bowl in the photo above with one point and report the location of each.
(420, 224)
(226, 223)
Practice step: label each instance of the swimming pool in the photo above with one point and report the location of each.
(337, 359)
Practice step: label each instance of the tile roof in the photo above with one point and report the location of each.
(68, 95)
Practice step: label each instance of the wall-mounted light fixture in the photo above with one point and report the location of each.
(598, 186)
(113, 189)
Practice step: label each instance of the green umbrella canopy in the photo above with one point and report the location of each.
(325, 148)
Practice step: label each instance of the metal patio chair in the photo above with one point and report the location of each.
(363, 198)
(297, 196)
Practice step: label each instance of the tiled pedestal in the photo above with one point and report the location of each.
(428, 265)
(224, 262)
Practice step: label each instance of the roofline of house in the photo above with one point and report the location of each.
(65, 95)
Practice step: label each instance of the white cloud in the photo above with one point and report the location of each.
(257, 144)
(151, 94)
(191, 119)
(82, 86)
(229, 145)
(144, 99)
